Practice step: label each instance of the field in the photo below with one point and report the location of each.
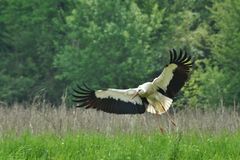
(43, 132)
(98, 146)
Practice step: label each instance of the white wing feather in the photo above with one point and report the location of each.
(125, 95)
(165, 77)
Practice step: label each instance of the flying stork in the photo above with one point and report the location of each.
(155, 97)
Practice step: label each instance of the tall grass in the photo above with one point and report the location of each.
(41, 118)
(40, 131)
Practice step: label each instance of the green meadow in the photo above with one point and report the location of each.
(121, 147)
(48, 133)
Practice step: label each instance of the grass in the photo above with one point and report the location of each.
(43, 118)
(39, 131)
(134, 146)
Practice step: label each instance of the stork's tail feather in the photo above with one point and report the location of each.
(160, 106)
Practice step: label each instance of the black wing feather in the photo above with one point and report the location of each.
(86, 97)
(180, 74)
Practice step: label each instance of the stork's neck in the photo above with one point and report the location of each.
(146, 88)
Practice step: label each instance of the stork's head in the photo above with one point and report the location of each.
(141, 91)
(144, 89)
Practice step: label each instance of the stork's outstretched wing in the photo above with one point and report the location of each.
(111, 100)
(175, 74)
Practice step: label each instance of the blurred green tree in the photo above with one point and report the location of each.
(34, 29)
(48, 46)
(216, 77)
(109, 44)
(226, 47)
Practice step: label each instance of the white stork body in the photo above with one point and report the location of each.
(158, 103)
(154, 97)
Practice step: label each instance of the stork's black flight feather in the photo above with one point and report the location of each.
(180, 74)
(108, 102)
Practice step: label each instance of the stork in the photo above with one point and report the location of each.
(155, 97)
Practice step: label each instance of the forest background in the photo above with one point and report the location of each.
(47, 47)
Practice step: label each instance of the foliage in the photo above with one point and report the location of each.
(109, 43)
(27, 67)
(225, 46)
(205, 82)
(48, 46)
(216, 78)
